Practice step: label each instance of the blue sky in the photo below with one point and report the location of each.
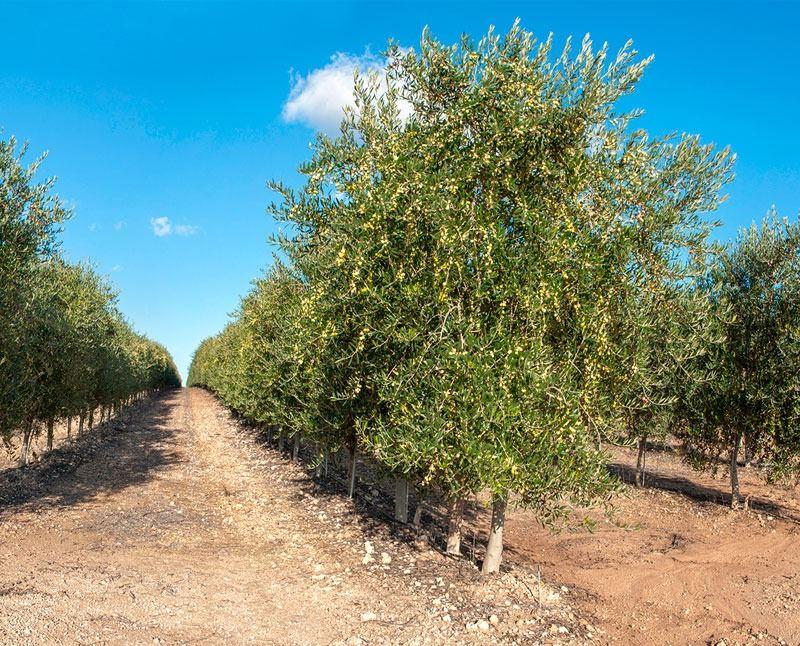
(169, 118)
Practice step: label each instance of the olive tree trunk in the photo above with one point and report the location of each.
(401, 500)
(24, 453)
(734, 468)
(296, 447)
(351, 473)
(641, 460)
(494, 549)
(318, 466)
(455, 516)
(50, 424)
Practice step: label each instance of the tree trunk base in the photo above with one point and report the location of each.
(641, 461)
(494, 549)
(455, 516)
(401, 500)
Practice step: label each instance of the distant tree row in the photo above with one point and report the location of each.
(65, 349)
(489, 272)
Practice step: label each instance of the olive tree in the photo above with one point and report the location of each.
(30, 216)
(752, 390)
(476, 235)
(64, 346)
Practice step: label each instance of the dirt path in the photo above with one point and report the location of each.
(177, 527)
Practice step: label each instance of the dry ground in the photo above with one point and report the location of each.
(674, 565)
(176, 526)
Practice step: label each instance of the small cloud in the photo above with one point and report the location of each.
(118, 226)
(94, 226)
(319, 98)
(162, 227)
(116, 268)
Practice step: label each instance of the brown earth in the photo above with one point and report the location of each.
(178, 525)
(674, 564)
(174, 524)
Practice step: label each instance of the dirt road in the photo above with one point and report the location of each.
(177, 527)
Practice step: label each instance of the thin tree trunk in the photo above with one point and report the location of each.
(318, 467)
(269, 435)
(91, 418)
(80, 423)
(401, 500)
(417, 520)
(50, 423)
(281, 441)
(69, 428)
(351, 473)
(454, 518)
(641, 461)
(24, 454)
(327, 460)
(734, 468)
(296, 447)
(494, 549)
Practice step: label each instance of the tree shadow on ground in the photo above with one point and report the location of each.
(698, 492)
(373, 503)
(124, 452)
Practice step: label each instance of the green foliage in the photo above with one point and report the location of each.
(753, 387)
(29, 218)
(477, 266)
(64, 347)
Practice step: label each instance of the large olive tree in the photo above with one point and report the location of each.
(472, 264)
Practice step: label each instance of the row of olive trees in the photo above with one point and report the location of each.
(488, 272)
(65, 350)
(732, 375)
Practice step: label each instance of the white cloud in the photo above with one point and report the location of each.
(118, 226)
(162, 227)
(319, 98)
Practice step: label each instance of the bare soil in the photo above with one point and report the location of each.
(674, 564)
(175, 524)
